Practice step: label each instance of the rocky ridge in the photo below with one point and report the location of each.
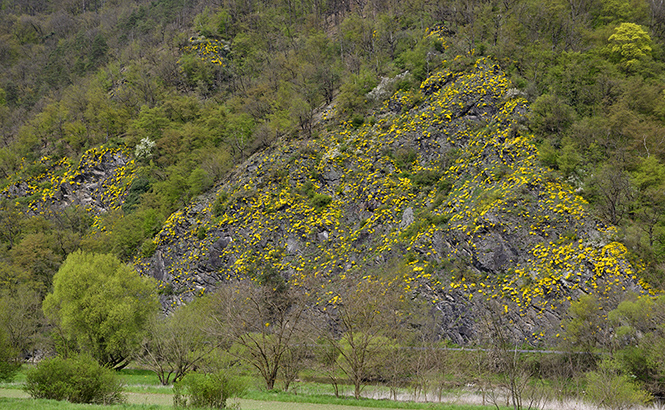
(446, 180)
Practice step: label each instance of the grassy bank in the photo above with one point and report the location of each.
(144, 391)
(245, 404)
(352, 402)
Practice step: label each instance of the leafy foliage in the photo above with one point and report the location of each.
(206, 390)
(78, 379)
(613, 389)
(190, 90)
(101, 306)
(9, 364)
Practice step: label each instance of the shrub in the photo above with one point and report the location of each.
(404, 158)
(611, 388)
(425, 178)
(8, 369)
(206, 390)
(357, 121)
(8, 363)
(78, 379)
(320, 201)
(202, 232)
(424, 220)
(219, 206)
(308, 189)
(148, 248)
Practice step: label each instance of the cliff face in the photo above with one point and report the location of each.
(444, 179)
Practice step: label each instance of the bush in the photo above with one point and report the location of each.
(9, 365)
(202, 232)
(8, 369)
(425, 178)
(612, 389)
(78, 379)
(320, 201)
(206, 390)
(219, 206)
(148, 248)
(404, 158)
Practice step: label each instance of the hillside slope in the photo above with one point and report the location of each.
(444, 179)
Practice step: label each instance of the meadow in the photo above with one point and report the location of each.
(143, 391)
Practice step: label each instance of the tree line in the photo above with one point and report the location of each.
(364, 330)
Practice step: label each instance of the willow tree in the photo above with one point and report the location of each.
(100, 306)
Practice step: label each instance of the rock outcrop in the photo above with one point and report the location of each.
(446, 180)
(443, 187)
(98, 182)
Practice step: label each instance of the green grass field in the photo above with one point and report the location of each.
(144, 391)
(137, 401)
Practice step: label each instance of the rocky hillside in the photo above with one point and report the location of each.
(444, 178)
(98, 182)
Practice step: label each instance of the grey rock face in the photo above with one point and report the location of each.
(407, 218)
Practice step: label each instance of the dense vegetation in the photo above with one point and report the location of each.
(185, 91)
(192, 89)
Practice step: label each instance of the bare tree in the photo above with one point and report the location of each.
(395, 370)
(366, 317)
(21, 318)
(326, 356)
(177, 343)
(505, 358)
(266, 323)
(612, 193)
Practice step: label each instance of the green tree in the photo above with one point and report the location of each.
(550, 115)
(101, 306)
(150, 123)
(569, 160)
(10, 226)
(629, 43)
(37, 255)
(649, 179)
(9, 365)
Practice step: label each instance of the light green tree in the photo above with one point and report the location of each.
(611, 388)
(584, 327)
(630, 43)
(100, 306)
